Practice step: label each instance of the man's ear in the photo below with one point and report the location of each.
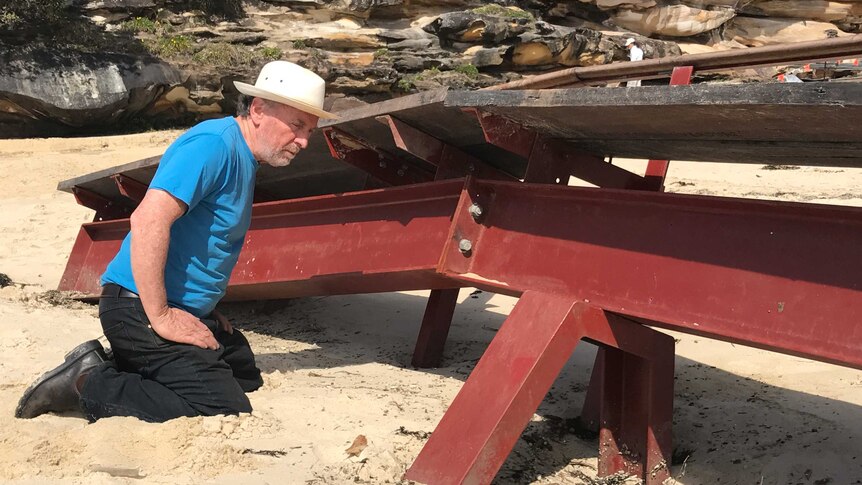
(257, 110)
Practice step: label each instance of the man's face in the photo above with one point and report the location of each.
(283, 132)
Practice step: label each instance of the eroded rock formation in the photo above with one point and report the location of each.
(150, 60)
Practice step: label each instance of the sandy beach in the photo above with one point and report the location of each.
(339, 367)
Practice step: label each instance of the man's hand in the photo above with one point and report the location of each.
(223, 322)
(182, 327)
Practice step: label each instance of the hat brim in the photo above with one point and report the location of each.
(250, 90)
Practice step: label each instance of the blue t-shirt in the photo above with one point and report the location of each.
(212, 170)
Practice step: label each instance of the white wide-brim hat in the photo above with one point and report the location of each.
(630, 41)
(287, 83)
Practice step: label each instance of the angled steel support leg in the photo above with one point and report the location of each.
(435, 328)
(487, 417)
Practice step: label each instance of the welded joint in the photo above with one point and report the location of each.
(451, 161)
(105, 208)
(129, 187)
(505, 133)
(358, 153)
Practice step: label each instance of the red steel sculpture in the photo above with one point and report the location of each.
(609, 265)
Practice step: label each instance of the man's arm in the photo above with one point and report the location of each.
(151, 234)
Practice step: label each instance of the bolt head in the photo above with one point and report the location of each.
(465, 245)
(475, 210)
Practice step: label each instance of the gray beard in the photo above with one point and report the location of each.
(276, 158)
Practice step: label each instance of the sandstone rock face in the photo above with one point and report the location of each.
(752, 31)
(672, 20)
(162, 60)
(807, 9)
(81, 89)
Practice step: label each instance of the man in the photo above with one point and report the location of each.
(173, 354)
(635, 54)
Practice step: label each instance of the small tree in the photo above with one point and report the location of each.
(32, 11)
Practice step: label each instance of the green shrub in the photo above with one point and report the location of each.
(405, 84)
(427, 73)
(499, 11)
(224, 55)
(171, 46)
(381, 53)
(469, 70)
(9, 19)
(300, 44)
(139, 24)
(271, 53)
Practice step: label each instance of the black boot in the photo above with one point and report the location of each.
(57, 391)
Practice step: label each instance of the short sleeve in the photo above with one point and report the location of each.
(192, 169)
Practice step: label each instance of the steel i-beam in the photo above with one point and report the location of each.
(775, 275)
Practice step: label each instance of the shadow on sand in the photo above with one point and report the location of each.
(726, 426)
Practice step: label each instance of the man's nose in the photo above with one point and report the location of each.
(301, 141)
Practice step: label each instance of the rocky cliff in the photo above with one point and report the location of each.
(74, 66)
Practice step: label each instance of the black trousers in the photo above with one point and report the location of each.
(156, 380)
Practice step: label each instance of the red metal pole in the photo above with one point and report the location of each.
(656, 170)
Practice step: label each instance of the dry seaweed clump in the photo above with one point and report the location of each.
(66, 299)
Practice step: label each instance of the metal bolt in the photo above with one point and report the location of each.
(333, 135)
(382, 164)
(400, 172)
(465, 245)
(475, 210)
(471, 168)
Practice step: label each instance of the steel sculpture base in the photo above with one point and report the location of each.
(505, 389)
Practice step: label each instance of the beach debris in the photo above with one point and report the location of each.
(272, 453)
(421, 435)
(359, 444)
(118, 471)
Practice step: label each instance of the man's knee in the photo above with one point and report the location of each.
(227, 406)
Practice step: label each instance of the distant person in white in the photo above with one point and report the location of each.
(635, 54)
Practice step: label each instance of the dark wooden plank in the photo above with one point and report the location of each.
(127, 168)
(812, 123)
(390, 106)
(825, 154)
(812, 93)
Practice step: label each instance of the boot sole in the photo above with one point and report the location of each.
(68, 360)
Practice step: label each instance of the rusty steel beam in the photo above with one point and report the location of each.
(837, 48)
(781, 276)
(360, 242)
(673, 260)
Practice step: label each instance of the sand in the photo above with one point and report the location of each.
(338, 367)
